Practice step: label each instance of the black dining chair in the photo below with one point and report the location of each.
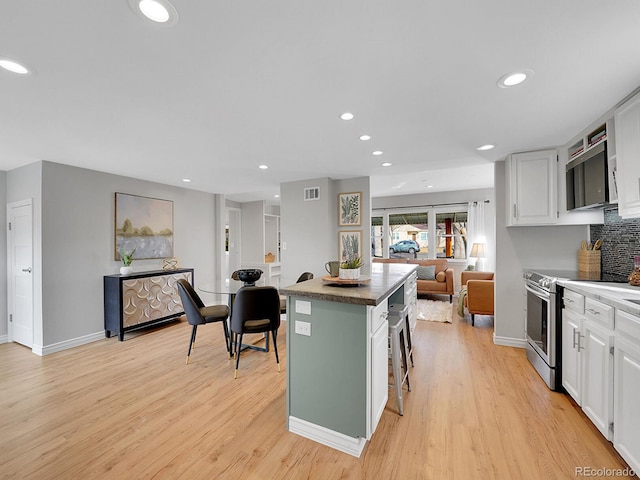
(283, 300)
(255, 310)
(198, 314)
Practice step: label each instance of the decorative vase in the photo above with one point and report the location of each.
(349, 273)
(126, 270)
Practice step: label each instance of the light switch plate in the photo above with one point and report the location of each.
(303, 307)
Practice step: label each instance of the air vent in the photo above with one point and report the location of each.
(311, 193)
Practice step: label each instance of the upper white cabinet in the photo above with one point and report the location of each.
(532, 197)
(627, 134)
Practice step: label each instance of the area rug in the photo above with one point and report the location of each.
(434, 311)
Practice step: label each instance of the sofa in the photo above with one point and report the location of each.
(438, 282)
(479, 293)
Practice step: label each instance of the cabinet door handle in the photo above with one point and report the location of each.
(568, 300)
(591, 310)
(575, 343)
(515, 211)
(580, 347)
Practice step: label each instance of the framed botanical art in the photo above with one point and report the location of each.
(349, 205)
(350, 244)
(144, 224)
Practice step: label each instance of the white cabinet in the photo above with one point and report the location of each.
(571, 345)
(411, 299)
(587, 363)
(597, 376)
(627, 133)
(532, 197)
(626, 437)
(379, 390)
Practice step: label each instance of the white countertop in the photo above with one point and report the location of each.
(614, 294)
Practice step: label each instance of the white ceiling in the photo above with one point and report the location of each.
(238, 83)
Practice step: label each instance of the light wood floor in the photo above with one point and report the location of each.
(113, 410)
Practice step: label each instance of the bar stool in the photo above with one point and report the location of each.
(402, 311)
(398, 358)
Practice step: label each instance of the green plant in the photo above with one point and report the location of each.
(352, 263)
(127, 258)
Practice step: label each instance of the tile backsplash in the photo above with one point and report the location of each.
(620, 241)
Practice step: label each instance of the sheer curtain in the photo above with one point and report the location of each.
(477, 225)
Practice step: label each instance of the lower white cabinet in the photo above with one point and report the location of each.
(597, 376)
(572, 343)
(379, 364)
(587, 358)
(626, 381)
(411, 299)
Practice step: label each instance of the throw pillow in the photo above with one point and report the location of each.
(441, 276)
(427, 273)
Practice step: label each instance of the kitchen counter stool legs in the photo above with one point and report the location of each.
(398, 358)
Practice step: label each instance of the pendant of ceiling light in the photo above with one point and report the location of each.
(158, 11)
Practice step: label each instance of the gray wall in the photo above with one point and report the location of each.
(252, 232)
(550, 247)
(76, 225)
(310, 229)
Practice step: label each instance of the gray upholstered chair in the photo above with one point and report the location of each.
(198, 314)
(255, 310)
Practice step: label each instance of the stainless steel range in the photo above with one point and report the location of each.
(543, 322)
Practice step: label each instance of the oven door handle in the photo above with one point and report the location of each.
(538, 293)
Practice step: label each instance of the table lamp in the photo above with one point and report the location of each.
(477, 251)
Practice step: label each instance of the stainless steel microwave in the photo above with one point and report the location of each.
(587, 179)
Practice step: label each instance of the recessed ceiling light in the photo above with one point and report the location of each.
(376, 152)
(386, 164)
(346, 116)
(512, 79)
(14, 67)
(482, 148)
(364, 138)
(429, 186)
(277, 196)
(158, 11)
(263, 167)
(186, 180)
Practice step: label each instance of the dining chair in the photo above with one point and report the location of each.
(199, 314)
(255, 310)
(302, 278)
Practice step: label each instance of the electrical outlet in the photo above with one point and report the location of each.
(303, 328)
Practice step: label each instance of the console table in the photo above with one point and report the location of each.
(142, 299)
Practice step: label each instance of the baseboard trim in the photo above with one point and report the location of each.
(325, 436)
(509, 342)
(66, 344)
(4, 338)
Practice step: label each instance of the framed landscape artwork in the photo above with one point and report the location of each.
(350, 243)
(349, 209)
(145, 224)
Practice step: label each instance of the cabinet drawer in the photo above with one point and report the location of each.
(628, 323)
(379, 315)
(573, 301)
(599, 312)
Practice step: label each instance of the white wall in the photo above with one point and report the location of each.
(252, 232)
(75, 221)
(549, 247)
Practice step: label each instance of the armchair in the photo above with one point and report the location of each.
(479, 297)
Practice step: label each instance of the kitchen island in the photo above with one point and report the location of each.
(337, 361)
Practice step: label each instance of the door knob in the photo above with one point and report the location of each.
(28, 270)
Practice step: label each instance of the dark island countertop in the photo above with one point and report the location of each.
(386, 278)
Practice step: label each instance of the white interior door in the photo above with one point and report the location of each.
(20, 261)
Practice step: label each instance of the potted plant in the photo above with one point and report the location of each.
(350, 269)
(127, 258)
